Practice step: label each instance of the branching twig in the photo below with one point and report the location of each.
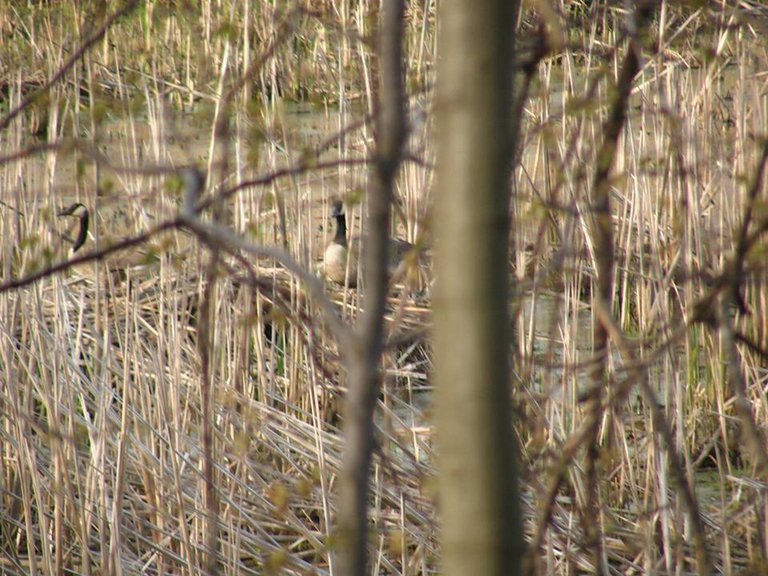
(97, 35)
(363, 361)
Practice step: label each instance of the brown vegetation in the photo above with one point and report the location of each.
(101, 383)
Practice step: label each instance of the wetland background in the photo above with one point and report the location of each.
(101, 392)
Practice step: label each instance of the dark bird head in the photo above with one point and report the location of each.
(80, 211)
(75, 209)
(193, 182)
(337, 209)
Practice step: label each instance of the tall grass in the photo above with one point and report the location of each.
(100, 373)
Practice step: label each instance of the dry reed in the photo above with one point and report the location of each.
(100, 377)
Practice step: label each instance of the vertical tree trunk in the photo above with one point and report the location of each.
(363, 362)
(480, 509)
(602, 240)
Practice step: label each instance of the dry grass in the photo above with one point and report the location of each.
(100, 374)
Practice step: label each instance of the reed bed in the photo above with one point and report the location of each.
(101, 392)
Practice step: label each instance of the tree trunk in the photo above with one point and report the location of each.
(479, 494)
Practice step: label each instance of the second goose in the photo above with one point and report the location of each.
(118, 264)
(340, 261)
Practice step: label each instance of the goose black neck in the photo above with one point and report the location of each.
(341, 229)
(82, 235)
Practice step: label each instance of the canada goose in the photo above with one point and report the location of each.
(339, 264)
(340, 261)
(192, 183)
(118, 264)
